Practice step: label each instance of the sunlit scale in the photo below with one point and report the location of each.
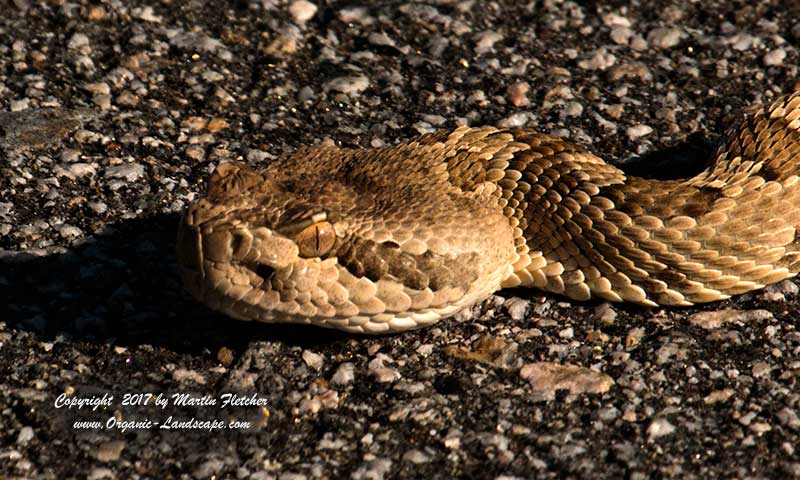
(400, 237)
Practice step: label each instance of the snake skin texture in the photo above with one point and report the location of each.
(398, 237)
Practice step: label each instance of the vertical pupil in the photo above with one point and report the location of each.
(316, 237)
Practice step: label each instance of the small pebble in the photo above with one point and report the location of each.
(515, 120)
(774, 58)
(78, 40)
(549, 377)
(225, 356)
(600, 60)
(789, 418)
(182, 375)
(718, 396)
(19, 105)
(313, 360)
(344, 374)
(384, 374)
(98, 207)
(660, 427)
(25, 435)
(518, 94)
(621, 35)
(147, 14)
(485, 41)
(208, 469)
(78, 170)
(100, 473)
(761, 369)
(380, 39)
(716, 319)
(348, 85)
(69, 232)
(127, 171)
(415, 456)
(302, 11)
(638, 131)
(633, 338)
(573, 109)
(110, 451)
(605, 314)
(517, 308)
(100, 88)
(665, 37)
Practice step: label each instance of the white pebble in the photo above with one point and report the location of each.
(344, 374)
(313, 360)
(600, 60)
(98, 207)
(99, 88)
(78, 170)
(416, 456)
(486, 40)
(128, 171)
(19, 105)
(302, 11)
(659, 428)
(638, 131)
(68, 232)
(348, 85)
(516, 120)
(665, 37)
(77, 41)
(573, 109)
(25, 436)
(774, 58)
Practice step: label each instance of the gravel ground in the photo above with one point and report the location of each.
(114, 112)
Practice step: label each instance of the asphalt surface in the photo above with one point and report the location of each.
(113, 113)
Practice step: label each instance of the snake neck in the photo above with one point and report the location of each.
(589, 230)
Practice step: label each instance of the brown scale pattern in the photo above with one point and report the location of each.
(668, 242)
(726, 231)
(437, 223)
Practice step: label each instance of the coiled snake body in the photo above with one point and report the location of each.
(399, 237)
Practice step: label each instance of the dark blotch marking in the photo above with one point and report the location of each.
(702, 202)
(364, 258)
(769, 174)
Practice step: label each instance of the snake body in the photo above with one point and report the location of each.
(398, 237)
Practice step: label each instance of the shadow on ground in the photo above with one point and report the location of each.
(122, 287)
(683, 160)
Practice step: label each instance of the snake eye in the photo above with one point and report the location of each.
(316, 240)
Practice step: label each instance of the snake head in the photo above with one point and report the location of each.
(316, 250)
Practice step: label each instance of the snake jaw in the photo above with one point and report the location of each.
(257, 274)
(239, 254)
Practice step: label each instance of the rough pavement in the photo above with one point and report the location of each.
(113, 113)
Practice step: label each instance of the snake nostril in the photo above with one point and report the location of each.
(241, 241)
(265, 271)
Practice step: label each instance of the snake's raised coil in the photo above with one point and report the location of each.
(399, 237)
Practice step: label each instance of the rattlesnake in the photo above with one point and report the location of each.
(398, 237)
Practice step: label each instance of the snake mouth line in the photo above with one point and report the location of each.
(190, 247)
(238, 302)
